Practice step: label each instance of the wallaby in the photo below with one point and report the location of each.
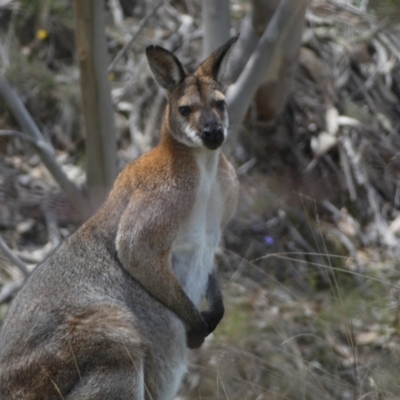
(110, 314)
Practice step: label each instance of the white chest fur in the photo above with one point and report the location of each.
(193, 250)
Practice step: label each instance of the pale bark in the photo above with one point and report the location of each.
(263, 63)
(272, 95)
(244, 47)
(216, 24)
(96, 99)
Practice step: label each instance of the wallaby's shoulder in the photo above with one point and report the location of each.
(164, 168)
(167, 172)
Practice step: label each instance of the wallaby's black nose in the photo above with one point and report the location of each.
(212, 136)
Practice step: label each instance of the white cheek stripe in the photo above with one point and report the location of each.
(192, 135)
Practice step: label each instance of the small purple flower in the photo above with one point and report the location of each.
(269, 240)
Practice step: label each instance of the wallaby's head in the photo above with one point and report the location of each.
(196, 111)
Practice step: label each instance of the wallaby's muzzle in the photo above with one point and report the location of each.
(212, 136)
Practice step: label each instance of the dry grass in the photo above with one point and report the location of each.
(280, 342)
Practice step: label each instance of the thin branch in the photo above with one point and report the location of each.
(8, 291)
(44, 149)
(13, 258)
(240, 94)
(133, 37)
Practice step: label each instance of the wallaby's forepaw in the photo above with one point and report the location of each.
(212, 319)
(195, 337)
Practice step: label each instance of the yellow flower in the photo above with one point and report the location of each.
(42, 34)
(111, 76)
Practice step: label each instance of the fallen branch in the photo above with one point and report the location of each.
(13, 258)
(19, 135)
(44, 149)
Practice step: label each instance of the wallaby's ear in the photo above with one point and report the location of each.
(166, 68)
(216, 64)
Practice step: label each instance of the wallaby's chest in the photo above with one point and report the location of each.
(193, 250)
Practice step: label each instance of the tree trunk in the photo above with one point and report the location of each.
(272, 95)
(96, 99)
(266, 63)
(263, 62)
(216, 24)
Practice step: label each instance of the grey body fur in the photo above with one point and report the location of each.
(110, 314)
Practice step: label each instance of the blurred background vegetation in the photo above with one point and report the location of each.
(310, 264)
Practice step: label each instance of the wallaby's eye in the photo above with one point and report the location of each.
(220, 104)
(185, 110)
